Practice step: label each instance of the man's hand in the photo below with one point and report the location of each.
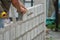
(23, 10)
(19, 6)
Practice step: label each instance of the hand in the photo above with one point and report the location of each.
(23, 10)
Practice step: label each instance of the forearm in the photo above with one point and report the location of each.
(21, 4)
(16, 4)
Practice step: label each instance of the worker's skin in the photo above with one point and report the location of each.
(19, 6)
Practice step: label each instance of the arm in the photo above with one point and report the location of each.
(16, 4)
(19, 6)
(22, 5)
